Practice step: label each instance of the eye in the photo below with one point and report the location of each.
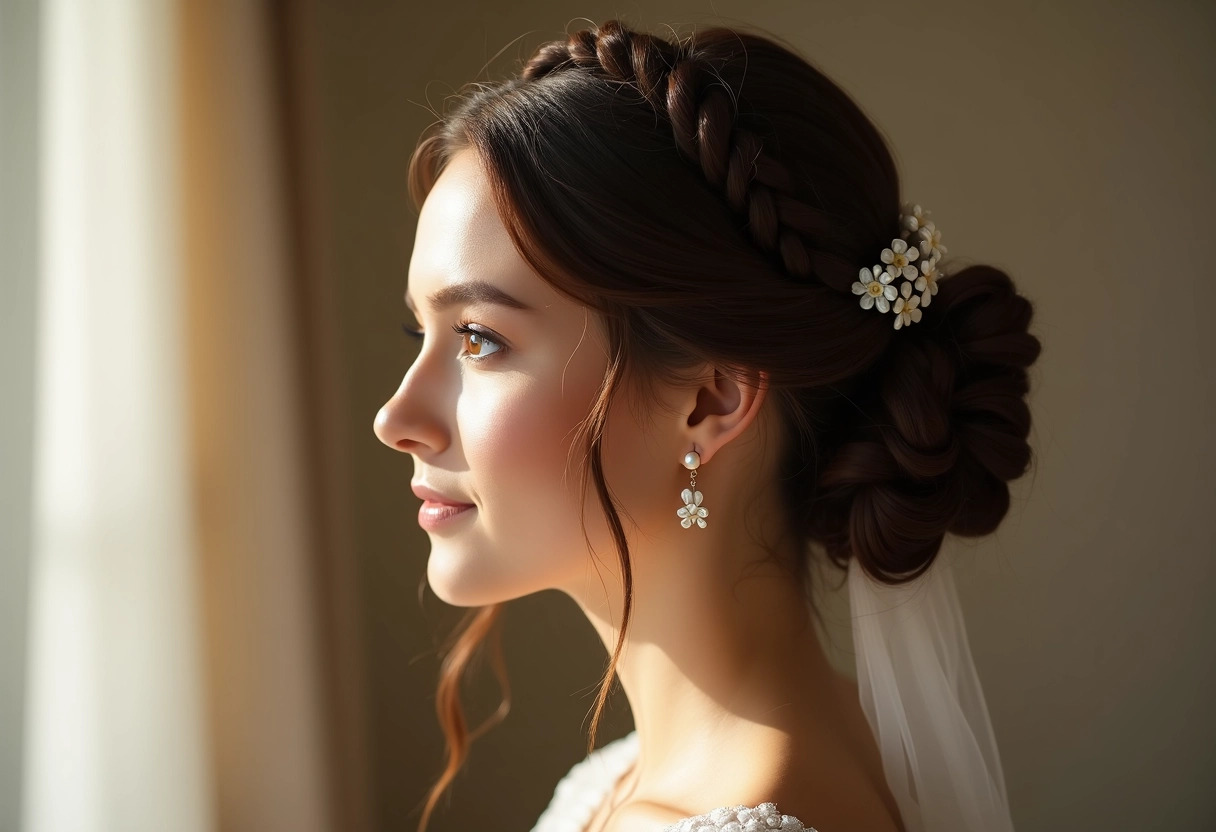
(478, 338)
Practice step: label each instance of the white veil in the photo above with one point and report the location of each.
(922, 698)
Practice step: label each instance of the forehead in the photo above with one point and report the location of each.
(460, 235)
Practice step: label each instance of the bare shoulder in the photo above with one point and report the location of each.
(645, 817)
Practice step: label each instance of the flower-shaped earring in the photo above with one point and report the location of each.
(693, 511)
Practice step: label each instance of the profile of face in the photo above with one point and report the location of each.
(488, 416)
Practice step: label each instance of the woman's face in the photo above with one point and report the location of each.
(488, 418)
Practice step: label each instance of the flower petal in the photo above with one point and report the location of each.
(883, 304)
(890, 293)
(686, 495)
(899, 247)
(867, 301)
(700, 522)
(858, 289)
(702, 511)
(697, 498)
(686, 523)
(682, 512)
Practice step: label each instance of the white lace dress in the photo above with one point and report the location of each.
(588, 783)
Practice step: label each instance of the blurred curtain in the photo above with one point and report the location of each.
(115, 735)
(185, 612)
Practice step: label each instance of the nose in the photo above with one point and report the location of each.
(408, 421)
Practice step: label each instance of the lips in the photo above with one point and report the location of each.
(431, 495)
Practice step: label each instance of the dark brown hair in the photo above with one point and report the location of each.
(713, 197)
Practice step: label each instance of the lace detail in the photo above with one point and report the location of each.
(588, 783)
(761, 818)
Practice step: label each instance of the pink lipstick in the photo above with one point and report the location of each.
(435, 516)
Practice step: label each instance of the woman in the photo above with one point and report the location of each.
(692, 344)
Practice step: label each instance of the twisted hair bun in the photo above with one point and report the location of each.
(945, 432)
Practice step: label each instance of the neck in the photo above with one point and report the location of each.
(723, 669)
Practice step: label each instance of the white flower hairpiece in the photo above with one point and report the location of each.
(915, 264)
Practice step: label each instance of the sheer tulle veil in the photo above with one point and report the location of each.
(922, 697)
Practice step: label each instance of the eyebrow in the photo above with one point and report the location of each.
(473, 291)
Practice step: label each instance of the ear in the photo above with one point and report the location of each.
(721, 409)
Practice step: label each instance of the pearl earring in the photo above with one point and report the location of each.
(693, 511)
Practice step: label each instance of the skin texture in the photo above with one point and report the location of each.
(732, 696)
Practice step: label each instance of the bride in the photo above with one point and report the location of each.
(678, 340)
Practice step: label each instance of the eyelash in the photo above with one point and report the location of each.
(462, 329)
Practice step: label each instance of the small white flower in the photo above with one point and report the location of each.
(913, 217)
(874, 288)
(926, 284)
(900, 259)
(906, 310)
(693, 510)
(931, 241)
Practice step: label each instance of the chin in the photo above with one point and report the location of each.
(454, 586)
(467, 581)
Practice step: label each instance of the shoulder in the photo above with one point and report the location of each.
(585, 786)
(645, 817)
(602, 766)
(763, 817)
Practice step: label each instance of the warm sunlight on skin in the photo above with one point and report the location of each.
(488, 421)
(721, 653)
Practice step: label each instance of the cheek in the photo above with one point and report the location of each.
(516, 446)
(516, 434)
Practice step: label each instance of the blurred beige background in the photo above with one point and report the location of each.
(1067, 143)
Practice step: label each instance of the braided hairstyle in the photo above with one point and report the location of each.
(713, 197)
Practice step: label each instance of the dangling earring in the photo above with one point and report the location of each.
(693, 511)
